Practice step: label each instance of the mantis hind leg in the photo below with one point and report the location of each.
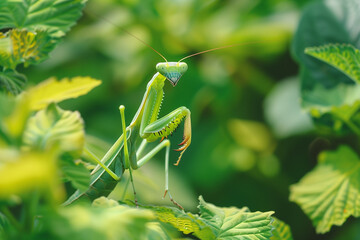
(150, 155)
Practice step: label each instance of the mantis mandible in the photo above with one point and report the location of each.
(128, 152)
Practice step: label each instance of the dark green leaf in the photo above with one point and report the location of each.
(12, 81)
(323, 22)
(323, 86)
(76, 173)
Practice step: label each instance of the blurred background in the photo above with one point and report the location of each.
(250, 139)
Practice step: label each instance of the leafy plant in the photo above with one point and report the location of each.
(41, 148)
(328, 194)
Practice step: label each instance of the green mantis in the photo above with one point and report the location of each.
(128, 151)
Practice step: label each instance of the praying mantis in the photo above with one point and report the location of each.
(128, 151)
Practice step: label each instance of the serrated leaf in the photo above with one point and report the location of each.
(281, 231)
(22, 46)
(344, 57)
(12, 81)
(56, 91)
(330, 193)
(184, 222)
(55, 127)
(54, 16)
(324, 22)
(77, 174)
(234, 223)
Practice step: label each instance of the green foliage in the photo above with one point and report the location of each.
(329, 193)
(233, 223)
(218, 223)
(322, 86)
(54, 16)
(346, 58)
(36, 27)
(282, 230)
(22, 46)
(55, 127)
(12, 81)
(212, 222)
(327, 49)
(53, 90)
(75, 172)
(235, 157)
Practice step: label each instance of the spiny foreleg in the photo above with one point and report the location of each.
(166, 125)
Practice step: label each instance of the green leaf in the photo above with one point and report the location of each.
(282, 231)
(55, 127)
(330, 193)
(184, 222)
(234, 223)
(324, 22)
(76, 173)
(334, 110)
(345, 58)
(323, 86)
(21, 46)
(55, 16)
(218, 223)
(56, 91)
(12, 81)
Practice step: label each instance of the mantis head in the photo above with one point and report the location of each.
(172, 70)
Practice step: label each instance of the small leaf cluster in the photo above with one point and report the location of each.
(32, 29)
(327, 48)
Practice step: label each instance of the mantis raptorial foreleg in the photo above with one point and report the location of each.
(166, 125)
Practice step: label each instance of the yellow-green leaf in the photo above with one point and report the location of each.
(53, 90)
(21, 46)
(54, 126)
(330, 193)
(21, 173)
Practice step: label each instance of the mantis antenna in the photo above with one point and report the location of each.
(218, 48)
(127, 32)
